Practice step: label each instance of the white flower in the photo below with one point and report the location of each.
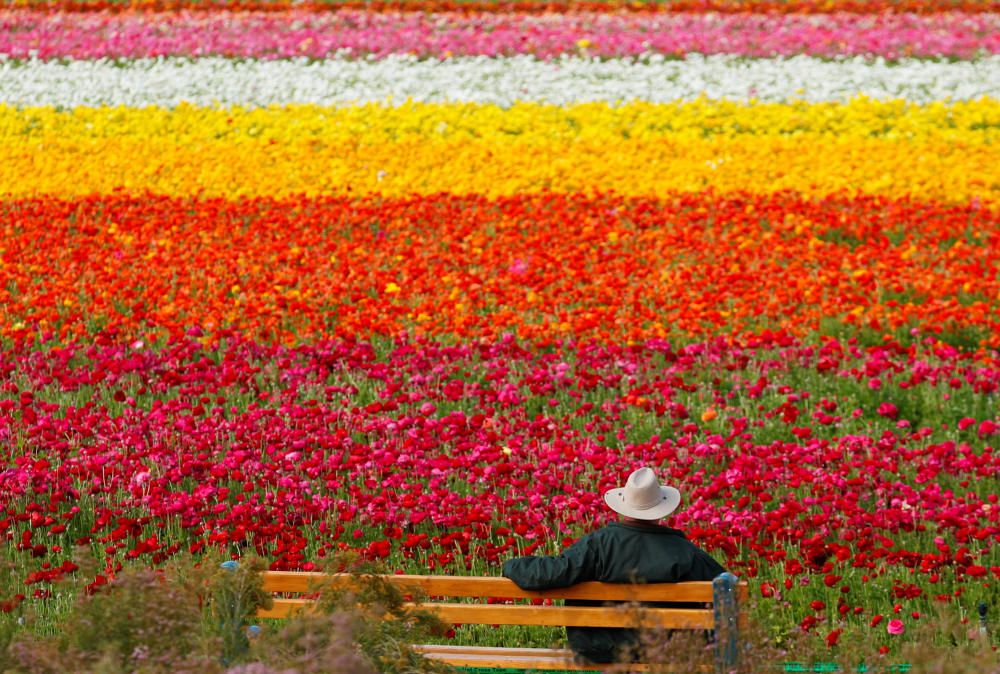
(213, 81)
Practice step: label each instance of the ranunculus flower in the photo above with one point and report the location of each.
(895, 626)
(965, 422)
(888, 410)
(975, 570)
(436, 32)
(345, 80)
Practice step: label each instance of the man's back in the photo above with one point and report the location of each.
(629, 552)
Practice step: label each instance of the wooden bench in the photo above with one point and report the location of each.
(724, 595)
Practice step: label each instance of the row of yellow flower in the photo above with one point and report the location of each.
(943, 151)
(860, 118)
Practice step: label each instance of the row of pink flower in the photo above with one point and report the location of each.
(25, 34)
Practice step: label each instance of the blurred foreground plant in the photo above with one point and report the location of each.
(370, 627)
(140, 621)
(200, 617)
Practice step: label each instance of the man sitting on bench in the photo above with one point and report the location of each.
(636, 550)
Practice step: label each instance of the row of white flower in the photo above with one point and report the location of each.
(340, 81)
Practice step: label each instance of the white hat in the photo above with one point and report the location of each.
(643, 498)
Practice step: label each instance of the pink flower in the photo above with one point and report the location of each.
(895, 626)
(311, 34)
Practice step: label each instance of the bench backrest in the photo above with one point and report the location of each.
(494, 589)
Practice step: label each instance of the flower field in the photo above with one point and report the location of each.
(420, 280)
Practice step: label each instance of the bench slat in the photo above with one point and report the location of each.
(283, 608)
(549, 616)
(493, 650)
(559, 662)
(543, 659)
(572, 616)
(490, 586)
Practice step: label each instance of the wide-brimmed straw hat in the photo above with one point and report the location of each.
(643, 497)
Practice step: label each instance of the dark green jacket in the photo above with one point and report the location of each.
(618, 553)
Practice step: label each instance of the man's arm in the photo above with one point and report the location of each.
(573, 566)
(704, 566)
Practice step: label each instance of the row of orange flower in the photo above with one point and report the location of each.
(542, 266)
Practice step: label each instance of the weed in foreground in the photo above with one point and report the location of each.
(200, 617)
(142, 621)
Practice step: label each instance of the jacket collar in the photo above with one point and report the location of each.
(651, 528)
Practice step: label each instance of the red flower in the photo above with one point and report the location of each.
(888, 410)
(965, 422)
(378, 549)
(8, 605)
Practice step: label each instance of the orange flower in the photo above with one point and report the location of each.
(541, 266)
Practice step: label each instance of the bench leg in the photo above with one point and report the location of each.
(726, 621)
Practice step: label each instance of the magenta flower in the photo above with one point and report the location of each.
(297, 33)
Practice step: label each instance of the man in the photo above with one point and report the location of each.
(636, 550)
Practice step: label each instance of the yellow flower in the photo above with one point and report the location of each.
(944, 152)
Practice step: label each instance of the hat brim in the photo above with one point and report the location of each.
(615, 499)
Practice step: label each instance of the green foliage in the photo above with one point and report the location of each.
(306, 644)
(199, 616)
(142, 621)
(235, 595)
(386, 621)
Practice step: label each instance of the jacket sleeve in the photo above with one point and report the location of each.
(577, 564)
(704, 566)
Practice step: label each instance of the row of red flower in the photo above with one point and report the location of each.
(854, 477)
